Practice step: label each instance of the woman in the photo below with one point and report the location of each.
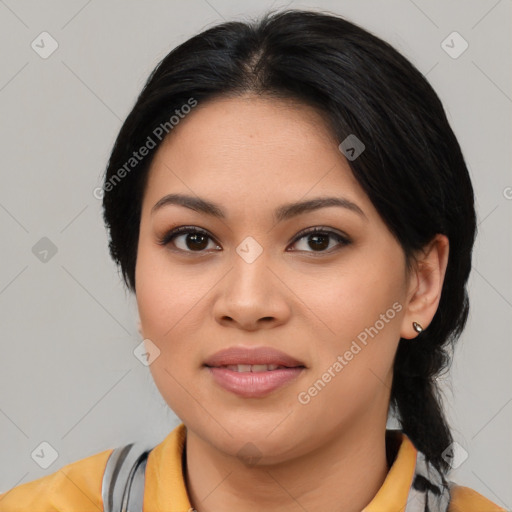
(293, 212)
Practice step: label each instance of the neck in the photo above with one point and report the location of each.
(344, 473)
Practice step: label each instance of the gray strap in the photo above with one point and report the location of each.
(123, 480)
(135, 494)
(429, 491)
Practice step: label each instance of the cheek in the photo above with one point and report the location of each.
(166, 293)
(357, 311)
(348, 301)
(355, 344)
(171, 303)
(166, 300)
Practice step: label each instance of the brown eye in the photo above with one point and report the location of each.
(196, 241)
(187, 239)
(319, 239)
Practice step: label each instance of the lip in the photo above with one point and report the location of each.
(256, 355)
(253, 384)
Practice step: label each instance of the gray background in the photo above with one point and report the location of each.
(68, 375)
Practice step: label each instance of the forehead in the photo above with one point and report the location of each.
(251, 148)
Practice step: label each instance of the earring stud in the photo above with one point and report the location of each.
(417, 327)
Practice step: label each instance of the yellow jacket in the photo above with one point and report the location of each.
(77, 486)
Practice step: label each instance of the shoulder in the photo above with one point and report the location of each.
(75, 487)
(464, 499)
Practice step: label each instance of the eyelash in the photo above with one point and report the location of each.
(343, 240)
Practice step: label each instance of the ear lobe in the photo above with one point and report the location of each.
(425, 285)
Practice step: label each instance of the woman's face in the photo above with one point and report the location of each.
(331, 301)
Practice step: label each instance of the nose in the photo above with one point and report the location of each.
(251, 296)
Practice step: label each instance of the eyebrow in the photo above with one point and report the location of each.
(281, 213)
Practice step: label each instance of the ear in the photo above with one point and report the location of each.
(425, 285)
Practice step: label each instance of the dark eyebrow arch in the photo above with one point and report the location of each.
(281, 213)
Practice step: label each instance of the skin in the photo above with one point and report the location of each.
(251, 155)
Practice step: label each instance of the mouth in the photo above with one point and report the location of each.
(253, 372)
